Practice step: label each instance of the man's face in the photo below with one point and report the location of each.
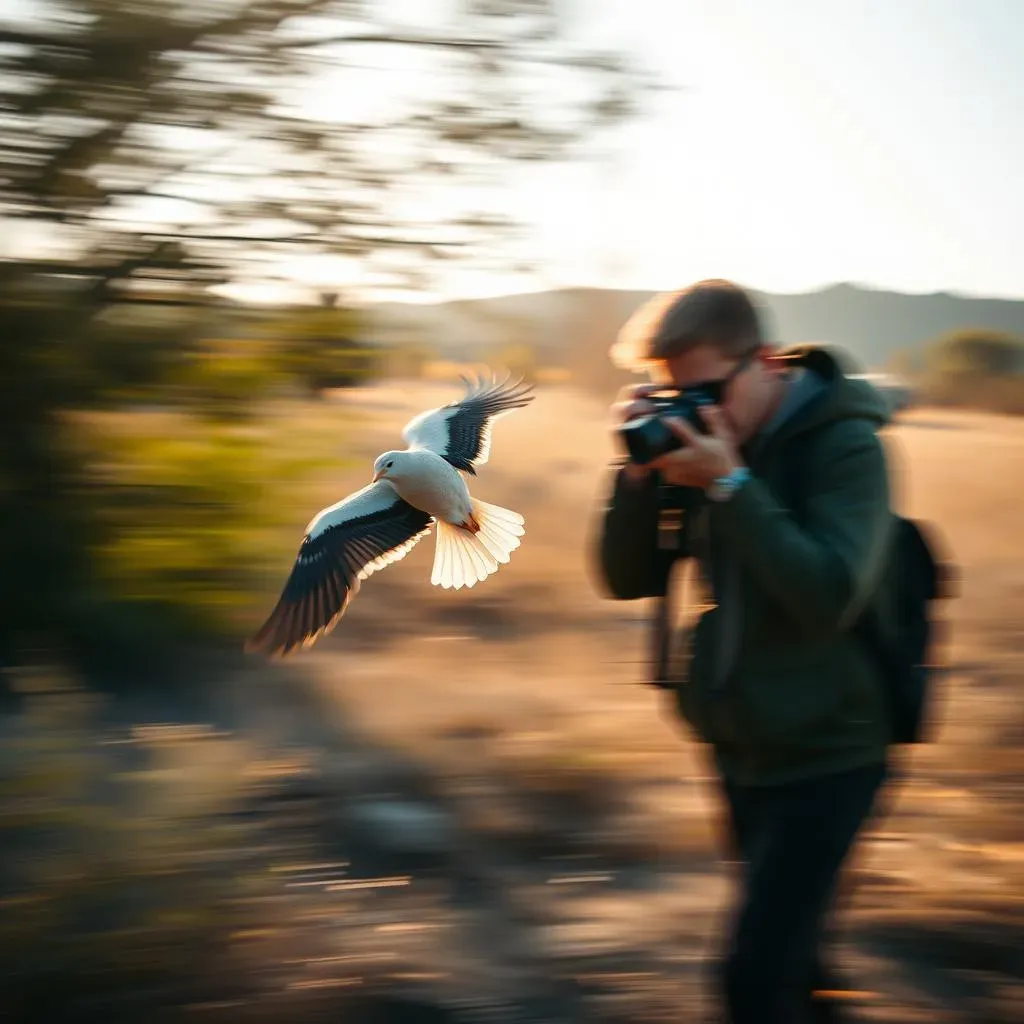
(750, 393)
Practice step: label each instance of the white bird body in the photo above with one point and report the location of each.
(428, 482)
(411, 491)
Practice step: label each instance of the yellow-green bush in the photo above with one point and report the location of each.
(976, 369)
(196, 515)
(222, 384)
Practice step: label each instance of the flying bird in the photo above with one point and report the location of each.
(411, 491)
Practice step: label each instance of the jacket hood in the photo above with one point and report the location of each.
(843, 397)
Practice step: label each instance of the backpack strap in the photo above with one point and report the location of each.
(671, 533)
(661, 640)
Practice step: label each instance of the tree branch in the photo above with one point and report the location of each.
(392, 39)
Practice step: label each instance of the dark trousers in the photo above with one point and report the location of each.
(791, 841)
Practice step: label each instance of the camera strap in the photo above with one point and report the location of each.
(670, 543)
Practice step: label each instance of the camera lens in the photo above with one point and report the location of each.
(648, 437)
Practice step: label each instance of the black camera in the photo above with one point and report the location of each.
(648, 437)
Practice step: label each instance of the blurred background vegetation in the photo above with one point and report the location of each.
(158, 434)
(972, 370)
(150, 423)
(152, 152)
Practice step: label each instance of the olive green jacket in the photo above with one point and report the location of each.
(786, 692)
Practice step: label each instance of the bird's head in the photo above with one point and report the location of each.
(389, 466)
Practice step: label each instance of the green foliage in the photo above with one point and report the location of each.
(108, 110)
(56, 355)
(123, 529)
(221, 385)
(193, 517)
(980, 353)
(318, 349)
(976, 369)
(150, 152)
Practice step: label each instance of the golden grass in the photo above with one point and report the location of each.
(523, 700)
(537, 658)
(545, 620)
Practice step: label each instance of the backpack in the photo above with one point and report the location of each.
(897, 627)
(914, 579)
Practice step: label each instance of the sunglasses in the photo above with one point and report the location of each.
(712, 392)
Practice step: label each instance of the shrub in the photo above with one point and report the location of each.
(194, 516)
(975, 369)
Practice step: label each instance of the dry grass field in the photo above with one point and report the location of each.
(470, 798)
(526, 693)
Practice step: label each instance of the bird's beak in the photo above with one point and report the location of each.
(377, 476)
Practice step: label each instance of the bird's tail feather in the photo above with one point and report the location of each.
(463, 559)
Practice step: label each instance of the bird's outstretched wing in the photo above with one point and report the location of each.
(343, 544)
(461, 431)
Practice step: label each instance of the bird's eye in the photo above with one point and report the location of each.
(388, 465)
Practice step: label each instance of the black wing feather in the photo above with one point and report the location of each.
(468, 428)
(327, 572)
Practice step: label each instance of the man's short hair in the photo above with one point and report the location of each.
(714, 312)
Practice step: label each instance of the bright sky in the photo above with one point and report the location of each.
(874, 141)
(810, 142)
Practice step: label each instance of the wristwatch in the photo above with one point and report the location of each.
(724, 487)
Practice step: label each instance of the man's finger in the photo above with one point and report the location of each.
(676, 457)
(638, 408)
(650, 388)
(682, 429)
(672, 465)
(631, 392)
(623, 412)
(716, 421)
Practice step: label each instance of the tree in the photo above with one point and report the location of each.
(150, 151)
(978, 353)
(319, 348)
(173, 146)
(977, 369)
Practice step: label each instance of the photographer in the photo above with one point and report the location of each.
(780, 494)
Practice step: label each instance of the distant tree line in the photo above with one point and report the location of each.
(970, 369)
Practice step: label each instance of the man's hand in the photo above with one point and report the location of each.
(704, 457)
(631, 403)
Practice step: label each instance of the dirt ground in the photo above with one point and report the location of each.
(467, 806)
(531, 683)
